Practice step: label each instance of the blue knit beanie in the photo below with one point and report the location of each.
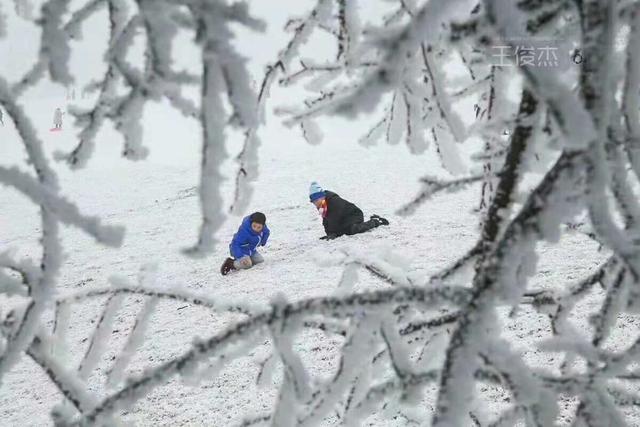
(315, 192)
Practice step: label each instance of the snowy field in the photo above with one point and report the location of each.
(157, 200)
(157, 203)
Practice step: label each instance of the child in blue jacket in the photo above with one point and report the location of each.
(253, 232)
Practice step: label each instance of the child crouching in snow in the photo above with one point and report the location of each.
(253, 232)
(340, 216)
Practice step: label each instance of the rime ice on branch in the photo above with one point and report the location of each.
(409, 333)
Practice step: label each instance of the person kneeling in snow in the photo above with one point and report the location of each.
(253, 232)
(340, 216)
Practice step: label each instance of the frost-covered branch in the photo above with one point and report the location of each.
(222, 70)
(72, 388)
(510, 174)
(340, 306)
(58, 25)
(174, 295)
(434, 186)
(42, 286)
(27, 275)
(496, 280)
(412, 331)
(120, 39)
(247, 159)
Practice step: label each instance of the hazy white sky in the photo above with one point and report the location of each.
(19, 50)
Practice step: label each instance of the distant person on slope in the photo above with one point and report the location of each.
(57, 118)
(253, 232)
(339, 216)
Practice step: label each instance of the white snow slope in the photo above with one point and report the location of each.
(159, 206)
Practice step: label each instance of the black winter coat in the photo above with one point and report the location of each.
(341, 215)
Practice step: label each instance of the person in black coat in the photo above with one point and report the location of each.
(339, 216)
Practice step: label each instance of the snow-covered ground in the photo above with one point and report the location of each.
(158, 204)
(157, 201)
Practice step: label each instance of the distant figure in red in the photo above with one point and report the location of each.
(57, 119)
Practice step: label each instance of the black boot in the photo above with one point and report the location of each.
(378, 219)
(227, 266)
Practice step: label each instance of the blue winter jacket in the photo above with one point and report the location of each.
(245, 241)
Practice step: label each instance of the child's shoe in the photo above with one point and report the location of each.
(227, 266)
(379, 220)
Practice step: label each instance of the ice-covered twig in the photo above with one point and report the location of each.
(69, 384)
(359, 342)
(282, 334)
(387, 273)
(433, 186)
(613, 302)
(60, 330)
(439, 95)
(308, 69)
(120, 40)
(101, 335)
(27, 272)
(247, 159)
(54, 50)
(596, 78)
(458, 265)
(326, 326)
(54, 43)
(244, 329)
(477, 86)
(398, 353)
(510, 174)
(214, 38)
(78, 17)
(566, 107)
(378, 393)
(254, 420)
(210, 370)
(42, 287)
(173, 294)
(529, 393)
(620, 185)
(631, 92)
(578, 290)
(160, 30)
(494, 280)
(137, 334)
(436, 322)
(423, 28)
(10, 285)
(302, 32)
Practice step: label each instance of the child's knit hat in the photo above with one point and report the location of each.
(315, 192)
